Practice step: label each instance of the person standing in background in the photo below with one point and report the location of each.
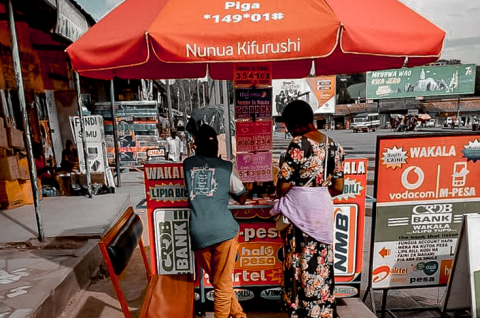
(174, 149)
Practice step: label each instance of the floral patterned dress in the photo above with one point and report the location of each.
(308, 266)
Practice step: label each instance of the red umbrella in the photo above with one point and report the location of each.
(184, 38)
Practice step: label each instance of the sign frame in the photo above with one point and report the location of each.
(422, 139)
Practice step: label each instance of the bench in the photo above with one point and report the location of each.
(166, 296)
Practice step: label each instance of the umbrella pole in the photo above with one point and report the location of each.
(26, 127)
(82, 132)
(204, 94)
(226, 118)
(198, 95)
(115, 135)
(169, 103)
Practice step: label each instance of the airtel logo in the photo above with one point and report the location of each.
(420, 177)
(380, 273)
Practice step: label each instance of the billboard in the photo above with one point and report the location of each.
(421, 81)
(319, 92)
(424, 186)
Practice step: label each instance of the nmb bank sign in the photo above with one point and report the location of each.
(421, 81)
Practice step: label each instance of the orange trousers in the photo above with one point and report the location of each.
(218, 261)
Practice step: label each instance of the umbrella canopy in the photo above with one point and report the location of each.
(183, 38)
(424, 116)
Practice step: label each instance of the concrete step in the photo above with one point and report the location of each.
(42, 279)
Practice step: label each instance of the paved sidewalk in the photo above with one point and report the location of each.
(37, 279)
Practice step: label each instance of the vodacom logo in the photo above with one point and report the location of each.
(380, 273)
(420, 177)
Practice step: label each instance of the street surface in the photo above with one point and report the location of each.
(99, 300)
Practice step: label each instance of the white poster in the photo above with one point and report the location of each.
(319, 92)
(285, 91)
(95, 138)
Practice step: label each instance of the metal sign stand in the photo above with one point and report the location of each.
(369, 288)
(115, 135)
(82, 132)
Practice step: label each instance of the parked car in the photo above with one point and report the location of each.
(430, 123)
(365, 122)
(448, 122)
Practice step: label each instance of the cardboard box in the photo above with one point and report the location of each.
(24, 171)
(3, 138)
(97, 177)
(11, 195)
(27, 193)
(15, 138)
(9, 168)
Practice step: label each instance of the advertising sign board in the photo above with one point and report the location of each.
(424, 186)
(254, 135)
(95, 138)
(421, 81)
(324, 90)
(253, 103)
(172, 241)
(349, 209)
(259, 256)
(319, 92)
(164, 189)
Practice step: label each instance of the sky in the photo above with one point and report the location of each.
(459, 18)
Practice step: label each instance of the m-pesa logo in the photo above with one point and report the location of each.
(344, 243)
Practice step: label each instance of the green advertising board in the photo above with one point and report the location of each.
(421, 81)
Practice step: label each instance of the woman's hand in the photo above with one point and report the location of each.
(282, 188)
(336, 186)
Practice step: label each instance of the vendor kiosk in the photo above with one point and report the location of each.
(258, 273)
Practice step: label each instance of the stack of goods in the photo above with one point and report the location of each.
(15, 184)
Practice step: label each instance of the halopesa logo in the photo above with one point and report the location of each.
(272, 293)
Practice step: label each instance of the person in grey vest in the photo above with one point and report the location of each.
(213, 231)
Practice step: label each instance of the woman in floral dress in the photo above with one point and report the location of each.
(308, 266)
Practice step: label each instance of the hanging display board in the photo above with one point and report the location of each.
(167, 222)
(463, 292)
(253, 167)
(254, 135)
(253, 103)
(424, 186)
(252, 75)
